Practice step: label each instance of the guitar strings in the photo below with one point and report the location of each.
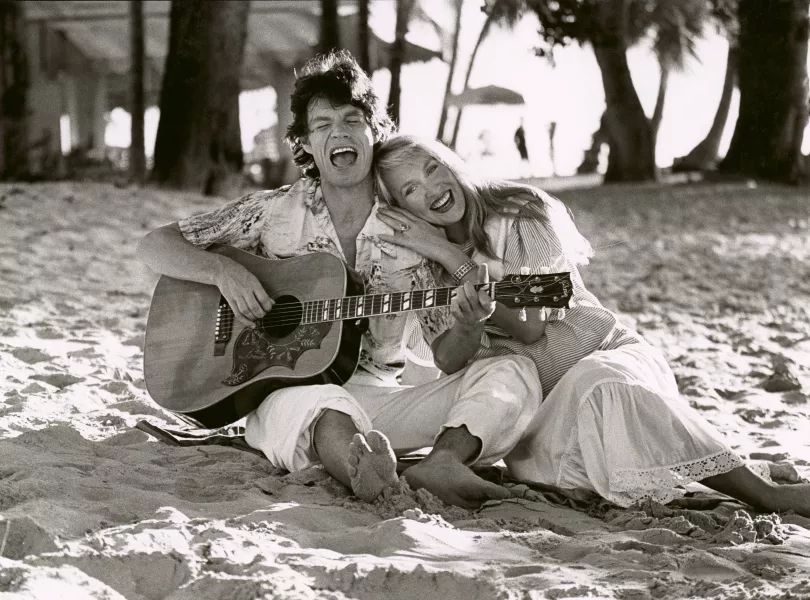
(290, 316)
(287, 315)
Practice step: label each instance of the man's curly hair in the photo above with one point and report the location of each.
(337, 77)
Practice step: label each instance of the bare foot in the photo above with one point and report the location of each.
(792, 496)
(444, 476)
(372, 465)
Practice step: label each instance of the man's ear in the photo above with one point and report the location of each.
(305, 144)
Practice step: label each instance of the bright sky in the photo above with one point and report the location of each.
(569, 93)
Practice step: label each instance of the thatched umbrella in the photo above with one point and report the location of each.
(487, 95)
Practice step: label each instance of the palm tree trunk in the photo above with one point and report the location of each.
(481, 37)
(773, 46)
(198, 145)
(632, 152)
(137, 156)
(330, 34)
(364, 37)
(13, 92)
(397, 58)
(705, 155)
(658, 112)
(448, 88)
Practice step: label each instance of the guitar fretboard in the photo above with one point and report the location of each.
(353, 307)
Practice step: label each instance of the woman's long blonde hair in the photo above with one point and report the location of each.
(483, 197)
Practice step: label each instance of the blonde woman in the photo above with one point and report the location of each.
(611, 419)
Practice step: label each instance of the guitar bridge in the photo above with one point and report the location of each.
(223, 327)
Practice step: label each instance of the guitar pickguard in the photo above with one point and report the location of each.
(254, 351)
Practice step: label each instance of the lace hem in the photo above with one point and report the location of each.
(659, 484)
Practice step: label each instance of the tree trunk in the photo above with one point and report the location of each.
(13, 92)
(768, 136)
(632, 152)
(590, 160)
(448, 88)
(705, 155)
(481, 37)
(198, 144)
(397, 58)
(660, 101)
(137, 156)
(364, 37)
(330, 30)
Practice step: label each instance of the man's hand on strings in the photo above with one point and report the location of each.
(244, 293)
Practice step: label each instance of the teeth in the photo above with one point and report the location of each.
(342, 149)
(443, 199)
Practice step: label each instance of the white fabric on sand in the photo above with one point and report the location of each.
(616, 424)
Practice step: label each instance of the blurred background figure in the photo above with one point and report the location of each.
(520, 142)
(552, 130)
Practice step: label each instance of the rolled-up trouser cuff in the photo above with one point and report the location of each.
(282, 427)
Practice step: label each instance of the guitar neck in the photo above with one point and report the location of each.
(370, 305)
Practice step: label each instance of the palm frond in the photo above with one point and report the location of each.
(506, 13)
(677, 26)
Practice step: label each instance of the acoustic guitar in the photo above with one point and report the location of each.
(202, 364)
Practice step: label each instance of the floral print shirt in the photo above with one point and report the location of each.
(294, 220)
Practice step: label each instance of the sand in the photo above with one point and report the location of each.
(91, 507)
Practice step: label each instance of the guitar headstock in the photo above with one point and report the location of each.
(552, 290)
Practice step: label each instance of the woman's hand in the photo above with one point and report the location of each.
(414, 233)
(471, 308)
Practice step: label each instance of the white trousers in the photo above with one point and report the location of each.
(497, 399)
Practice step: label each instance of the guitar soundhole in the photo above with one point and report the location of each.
(283, 319)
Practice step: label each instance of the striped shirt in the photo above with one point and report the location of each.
(586, 327)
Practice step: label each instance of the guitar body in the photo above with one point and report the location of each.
(201, 364)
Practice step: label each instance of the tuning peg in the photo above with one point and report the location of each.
(525, 271)
(522, 314)
(545, 270)
(541, 314)
(560, 314)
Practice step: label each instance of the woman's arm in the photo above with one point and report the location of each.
(528, 331)
(470, 309)
(428, 241)
(453, 349)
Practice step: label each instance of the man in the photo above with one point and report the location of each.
(520, 141)
(337, 121)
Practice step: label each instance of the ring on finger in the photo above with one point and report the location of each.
(404, 227)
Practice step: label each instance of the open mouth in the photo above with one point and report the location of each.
(343, 156)
(443, 203)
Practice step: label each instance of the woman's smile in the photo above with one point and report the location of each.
(444, 203)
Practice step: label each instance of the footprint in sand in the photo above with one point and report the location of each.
(30, 355)
(49, 334)
(59, 380)
(23, 536)
(33, 388)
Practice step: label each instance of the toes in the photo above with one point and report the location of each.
(485, 490)
(497, 492)
(359, 445)
(378, 443)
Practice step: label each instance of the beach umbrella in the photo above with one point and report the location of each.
(488, 95)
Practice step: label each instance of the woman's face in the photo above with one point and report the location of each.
(428, 189)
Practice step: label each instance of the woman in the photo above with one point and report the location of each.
(612, 419)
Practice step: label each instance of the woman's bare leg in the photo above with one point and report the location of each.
(745, 485)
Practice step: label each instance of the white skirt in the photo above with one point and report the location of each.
(616, 424)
